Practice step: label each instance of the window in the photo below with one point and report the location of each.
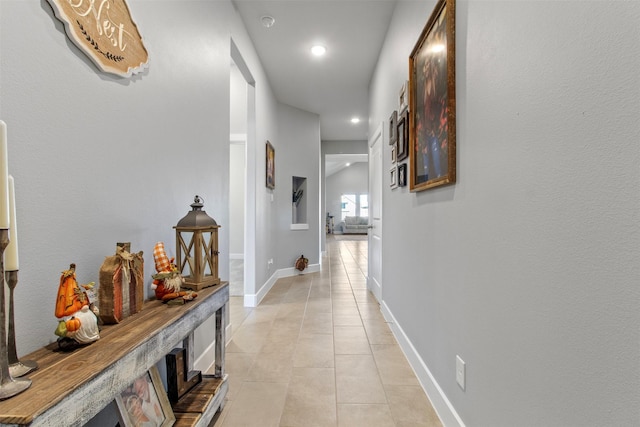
(364, 205)
(348, 202)
(354, 205)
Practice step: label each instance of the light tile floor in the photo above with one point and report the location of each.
(318, 352)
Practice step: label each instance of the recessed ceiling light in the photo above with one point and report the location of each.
(268, 21)
(348, 164)
(318, 50)
(355, 120)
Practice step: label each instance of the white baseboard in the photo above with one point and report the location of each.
(375, 289)
(292, 271)
(439, 400)
(252, 300)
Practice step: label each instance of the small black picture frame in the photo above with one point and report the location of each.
(393, 128)
(402, 175)
(403, 136)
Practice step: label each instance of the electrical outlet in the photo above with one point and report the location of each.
(460, 372)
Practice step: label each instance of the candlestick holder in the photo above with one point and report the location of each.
(17, 368)
(8, 386)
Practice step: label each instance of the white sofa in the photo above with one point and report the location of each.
(355, 225)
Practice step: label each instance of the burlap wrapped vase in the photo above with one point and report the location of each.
(121, 291)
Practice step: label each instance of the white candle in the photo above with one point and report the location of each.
(4, 177)
(11, 253)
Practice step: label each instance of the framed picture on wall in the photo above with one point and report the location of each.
(402, 175)
(394, 154)
(393, 176)
(403, 136)
(393, 124)
(403, 97)
(145, 402)
(271, 166)
(432, 102)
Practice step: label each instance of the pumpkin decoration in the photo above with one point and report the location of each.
(301, 263)
(73, 324)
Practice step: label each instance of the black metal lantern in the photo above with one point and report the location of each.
(197, 248)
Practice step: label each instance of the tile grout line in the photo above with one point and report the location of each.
(304, 315)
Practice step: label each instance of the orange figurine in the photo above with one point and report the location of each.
(78, 320)
(168, 281)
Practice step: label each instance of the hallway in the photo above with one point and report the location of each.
(318, 352)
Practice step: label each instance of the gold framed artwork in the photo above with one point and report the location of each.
(145, 402)
(271, 166)
(432, 102)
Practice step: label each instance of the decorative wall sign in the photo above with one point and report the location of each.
(105, 32)
(179, 378)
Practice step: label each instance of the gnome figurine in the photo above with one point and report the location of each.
(167, 281)
(78, 317)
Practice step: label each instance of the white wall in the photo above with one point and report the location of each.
(297, 154)
(351, 180)
(237, 101)
(528, 266)
(237, 160)
(237, 180)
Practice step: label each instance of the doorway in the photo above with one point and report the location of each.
(241, 176)
(374, 278)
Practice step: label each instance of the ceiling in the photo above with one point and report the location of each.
(336, 162)
(334, 86)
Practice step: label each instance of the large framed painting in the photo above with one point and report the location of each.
(271, 166)
(145, 402)
(432, 102)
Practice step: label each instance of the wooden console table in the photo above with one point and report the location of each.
(68, 389)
